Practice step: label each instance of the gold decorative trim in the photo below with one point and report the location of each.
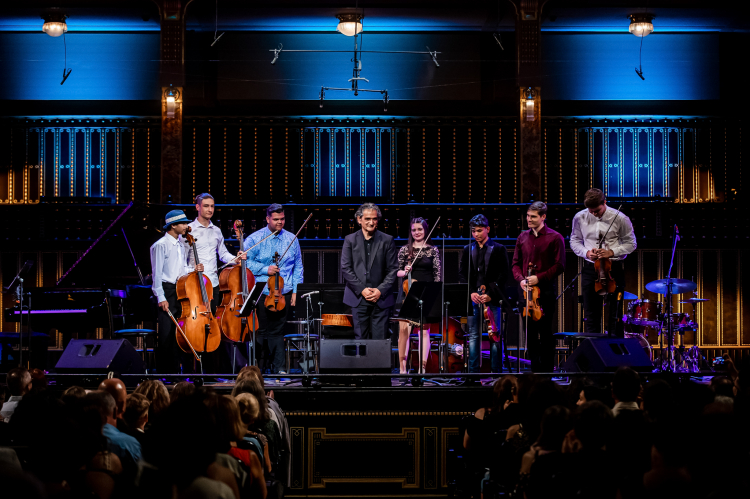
(430, 467)
(445, 433)
(318, 435)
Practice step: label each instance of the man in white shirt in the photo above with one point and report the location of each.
(168, 264)
(209, 241)
(589, 227)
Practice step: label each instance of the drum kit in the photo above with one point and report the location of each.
(653, 323)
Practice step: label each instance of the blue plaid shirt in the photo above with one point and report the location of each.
(261, 257)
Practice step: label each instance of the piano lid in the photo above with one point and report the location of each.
(108, 262)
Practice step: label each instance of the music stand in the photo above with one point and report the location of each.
(17, 283)
(422, 296)
(248, 310)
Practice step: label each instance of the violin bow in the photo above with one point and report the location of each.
(424, 243)
(197, 357)
(295, 237)
(601, 241)
(231, 262)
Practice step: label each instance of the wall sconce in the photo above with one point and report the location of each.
(641, 25)
(171, 95)
(529, 104)
(54, 23)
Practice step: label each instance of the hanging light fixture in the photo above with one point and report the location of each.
(171, 96)
(641, 25)
(350, 23)
(54, 23)
(529, 108)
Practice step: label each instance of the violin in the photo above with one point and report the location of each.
(605, 283)
(408, 281)
(532, 309)
(235, 283)
(275, 301)
(202, 332)
(493, 331)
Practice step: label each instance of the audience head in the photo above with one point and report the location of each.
(249, 408)
(252, 385)
(722, 385)
(504, 390)
(38, 380)
(229, 425)
(626, 385)
(250, 371)
(181, 389)
(136, 411)
(19, 381)
(555, 425)
(117, 389)
(593, 392)
(157, 394)
(658, 400)
(593, 424)
(104, 403)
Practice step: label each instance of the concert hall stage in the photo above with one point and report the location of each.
(350, 437)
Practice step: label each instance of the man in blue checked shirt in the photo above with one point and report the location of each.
(260, 261)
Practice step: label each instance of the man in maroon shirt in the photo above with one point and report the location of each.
(544, 248)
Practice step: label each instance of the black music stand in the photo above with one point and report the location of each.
(17, 284)
(422, 297)
(249, 310)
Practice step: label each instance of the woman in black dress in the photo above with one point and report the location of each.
(426, 268)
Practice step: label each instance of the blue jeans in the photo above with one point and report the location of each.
(475, 340)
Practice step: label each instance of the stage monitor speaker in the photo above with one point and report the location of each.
(355, 356)
(100, 357)
(607, 354)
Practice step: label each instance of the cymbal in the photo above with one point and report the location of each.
(695, 300)
(628, 296)
(677, 286)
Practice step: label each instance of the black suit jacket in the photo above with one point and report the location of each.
(496, 267)
(383, 268)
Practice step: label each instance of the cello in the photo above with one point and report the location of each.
(605, 283)
(202, 331)
(235, 283)
(275, 301)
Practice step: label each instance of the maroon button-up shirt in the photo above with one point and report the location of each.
(546, 250)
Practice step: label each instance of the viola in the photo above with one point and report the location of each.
(202, 332)
(235, 283)
(493, 331)
(275, 301)
(532, 309)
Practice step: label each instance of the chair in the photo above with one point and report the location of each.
(136, 307)
(435, 340)
(296, 343)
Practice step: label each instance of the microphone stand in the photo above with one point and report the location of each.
(670, 330)
(570, 285)
(443, 312)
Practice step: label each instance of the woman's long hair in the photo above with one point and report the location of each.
(426, 227)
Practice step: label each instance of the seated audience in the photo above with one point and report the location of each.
(626, 386)
(264, 424)
(181, 389)
(19, 384)
(157, 394)
(136, 415)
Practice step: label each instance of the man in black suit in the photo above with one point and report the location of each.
(369, 265)
(489, 267)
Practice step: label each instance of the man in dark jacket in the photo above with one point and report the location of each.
(484, 262)
(369, 265)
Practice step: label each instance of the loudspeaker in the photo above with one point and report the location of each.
(355, 356)
(607, 354)
(100, 357)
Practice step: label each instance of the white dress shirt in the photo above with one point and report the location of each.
(587, 229)
(168, 263)
(208, 240)
(9, 408)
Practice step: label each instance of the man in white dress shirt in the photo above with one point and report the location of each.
(209, 241)
(589, 226)
(168, 264)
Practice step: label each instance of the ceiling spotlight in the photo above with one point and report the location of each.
(641, 25)
(350, 23)
(54, 23)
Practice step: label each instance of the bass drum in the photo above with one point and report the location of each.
(643, 342)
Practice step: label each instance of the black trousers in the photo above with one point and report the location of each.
(371, 321)
(541, 343)
(592, 301)
(270, 336)
(169, 355)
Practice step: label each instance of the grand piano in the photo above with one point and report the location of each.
(92, 292)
